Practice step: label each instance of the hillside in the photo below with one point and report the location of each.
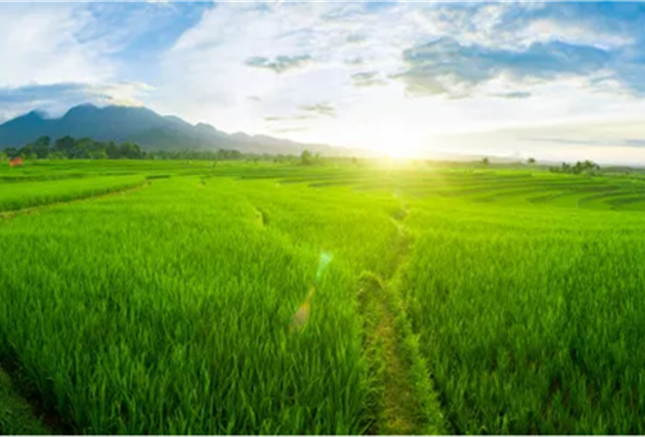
(146, 128)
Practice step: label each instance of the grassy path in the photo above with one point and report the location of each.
(404, 401)
(393, 402)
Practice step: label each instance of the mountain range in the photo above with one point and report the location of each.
(148, 129)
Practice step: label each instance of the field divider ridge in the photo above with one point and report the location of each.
(403, 400)
(9, 214)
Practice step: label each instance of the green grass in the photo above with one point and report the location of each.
(501, 301)
(531, 322)
(16, 196)
(178, 324)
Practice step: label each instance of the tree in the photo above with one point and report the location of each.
(65, 145)
(39, 149)
(131, 151)
(485, 162)
(530, 161)
(306, 158)
(112, 150)
(29, 155)
(580, 167)
(98, 154)
(83, 147)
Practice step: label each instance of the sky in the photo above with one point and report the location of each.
(554, 81)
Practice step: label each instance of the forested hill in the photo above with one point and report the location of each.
(150, 130)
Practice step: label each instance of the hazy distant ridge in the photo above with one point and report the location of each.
(146, 128)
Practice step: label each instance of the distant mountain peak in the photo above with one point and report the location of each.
(85, 106)
(27, 121)
(82, 108)
(205, 126)
(36, 113)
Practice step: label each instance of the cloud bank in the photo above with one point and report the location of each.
(391, 76)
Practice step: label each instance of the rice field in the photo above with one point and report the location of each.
(184, 297)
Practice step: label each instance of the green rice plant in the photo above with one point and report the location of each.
(30, 194)
(167, 309)
(530, 324)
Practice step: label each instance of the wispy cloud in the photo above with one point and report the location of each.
(320, 109)
(635, 142)
(279, 64)
(284, 130)
(513, 95)
(306, 113)
(356, 61)
(32, 94)
(582, 142)
(445, 66)
(300, 117)
(367, 79)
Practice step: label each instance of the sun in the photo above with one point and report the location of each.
(397, 149)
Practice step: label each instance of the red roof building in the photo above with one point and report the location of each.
(16, 162)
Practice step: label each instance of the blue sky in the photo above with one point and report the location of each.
(560, 81)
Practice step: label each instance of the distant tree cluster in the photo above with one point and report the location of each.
(580, 167)
(218, 155)
(308, 158)
(87, 148)
(198, 155)
(76, 148)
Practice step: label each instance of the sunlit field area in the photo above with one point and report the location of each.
(165, 297)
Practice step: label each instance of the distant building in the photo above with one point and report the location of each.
(16, 162)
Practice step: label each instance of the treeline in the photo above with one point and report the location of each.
(88, 148)
(580, 167)
(219, 155)
(76, 148)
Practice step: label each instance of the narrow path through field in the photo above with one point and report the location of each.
(394, 402)
(32, 209)
(404, 401)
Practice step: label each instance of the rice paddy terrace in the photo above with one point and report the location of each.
(174, 297)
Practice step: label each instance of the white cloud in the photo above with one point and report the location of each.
(573, 33)
(55, 56)
(604, 139)
(210, 61)
(206, 76)
(38, 46)
(254, 66)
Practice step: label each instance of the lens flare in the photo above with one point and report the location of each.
(325, 259)
(301, 317)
